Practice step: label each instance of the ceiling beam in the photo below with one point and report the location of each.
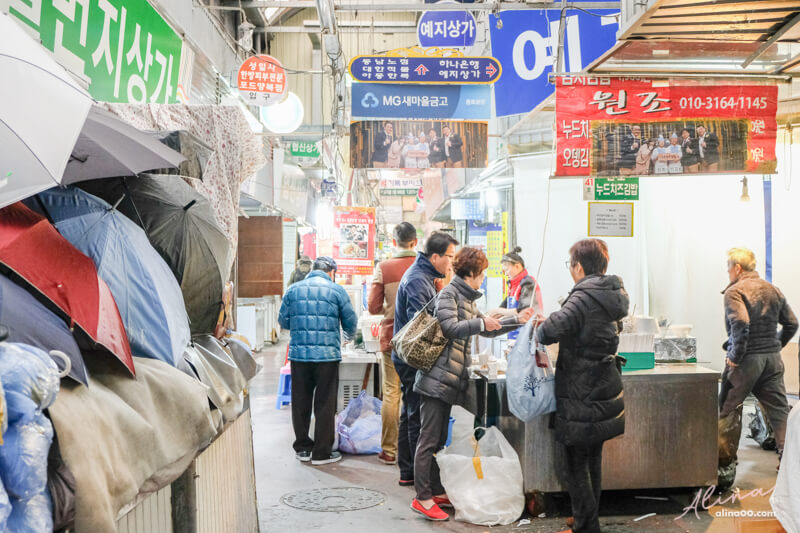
(772, 40)
(379, 28)
(417, 7)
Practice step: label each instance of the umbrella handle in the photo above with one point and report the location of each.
(65, 358)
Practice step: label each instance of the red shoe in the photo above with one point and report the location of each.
(387, 459)
(442, 502)
(434, 513)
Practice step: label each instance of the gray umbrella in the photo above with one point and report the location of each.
(108, 147)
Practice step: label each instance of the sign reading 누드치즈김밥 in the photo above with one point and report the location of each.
(124, 48)
(606, 189)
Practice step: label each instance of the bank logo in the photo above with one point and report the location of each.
(370, 100)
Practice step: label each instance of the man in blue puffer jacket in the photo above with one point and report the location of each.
(313, 310)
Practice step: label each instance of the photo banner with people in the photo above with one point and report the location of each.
(418, 144)
(637, 127)
(354, 240)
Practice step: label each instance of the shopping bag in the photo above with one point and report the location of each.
(483, 478)
(530, 380)
(359, 425)
(420, 342)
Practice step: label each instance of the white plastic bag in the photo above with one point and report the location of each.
(531, 389)
(483, 479)
(359, 425)
(785, 500)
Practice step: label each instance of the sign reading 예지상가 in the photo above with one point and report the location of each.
(637, 127)
(375, 100)
(446, 70)
(606, 189)
(262, 80)
(123, 47)
(354, 239)
(610, 219)
(446, 29)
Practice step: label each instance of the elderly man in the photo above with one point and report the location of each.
(753, 310)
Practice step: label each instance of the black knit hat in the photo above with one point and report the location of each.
(514, 257)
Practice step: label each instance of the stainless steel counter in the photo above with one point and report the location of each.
(670, 435)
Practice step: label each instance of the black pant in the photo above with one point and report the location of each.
(583, 476)
(314, 384)
(435, 418)
(409, 421)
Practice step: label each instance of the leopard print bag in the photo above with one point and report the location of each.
(420, 342)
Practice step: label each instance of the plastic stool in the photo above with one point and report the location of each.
(450, 431)
(284, 388)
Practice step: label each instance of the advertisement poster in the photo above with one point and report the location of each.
(354, 239)
(418, 144)
(638, 127)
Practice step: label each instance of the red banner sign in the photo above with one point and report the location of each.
(637, 127)
(354, 240)
(262, 80)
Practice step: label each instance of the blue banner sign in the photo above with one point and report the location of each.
(525, 43)
(446, 29)
(374, 100)
(446, 70)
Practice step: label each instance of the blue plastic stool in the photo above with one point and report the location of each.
(450, 431)
(284, 391)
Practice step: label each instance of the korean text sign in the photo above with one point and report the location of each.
(636, 127)
(123, 47)
(374, 100)
(447, 70)
(447, 29)
(354, 239)
(262, 80)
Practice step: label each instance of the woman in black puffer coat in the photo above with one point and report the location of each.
(589, 405)
(445, 384)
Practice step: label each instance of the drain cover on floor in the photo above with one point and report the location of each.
(333, 499)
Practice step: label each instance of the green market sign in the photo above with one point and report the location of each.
(609, 189)
(126, 51)
(304, 149)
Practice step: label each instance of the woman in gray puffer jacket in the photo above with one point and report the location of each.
(445, 384)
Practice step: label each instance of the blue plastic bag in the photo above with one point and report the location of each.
(531, 389)
(33, 515)
(5, 508)
(30, 372)
(359, 425)
(23, 457)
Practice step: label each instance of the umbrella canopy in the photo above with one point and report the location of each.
(30, 322)
(42, 110)
(33, 250)
(181, 225)
(144, 288)
(108, 147)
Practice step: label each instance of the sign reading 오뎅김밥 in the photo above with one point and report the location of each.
(354, 239)
(637, 127)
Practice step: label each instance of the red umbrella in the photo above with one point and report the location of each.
(32, 248)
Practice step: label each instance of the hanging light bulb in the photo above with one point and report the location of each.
(745, 197)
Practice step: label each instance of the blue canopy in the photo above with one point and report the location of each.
(147, 294)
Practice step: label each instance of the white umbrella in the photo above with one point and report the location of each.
(42, 111)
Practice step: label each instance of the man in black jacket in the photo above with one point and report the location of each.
(690, 153)
(452, 148)
(589, 404)
(708, 146)
(383, 140)
(753, 310)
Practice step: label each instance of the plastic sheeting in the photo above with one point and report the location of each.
(216, 369)
(786, 498)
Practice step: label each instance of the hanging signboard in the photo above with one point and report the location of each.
(446, 29)
(405, 186)
(123, 47)
(447, 70)
(466, 209)
(524, 42)
(262, 80)
(606, 189)
(354, 239)
(635, 127)
(418, 144)
(305, 153)
(372, 100)
(610, 219)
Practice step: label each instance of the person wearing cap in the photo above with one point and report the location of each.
(314, 310)
(674, 148)
(302, 268)
(522, 290)
(659, 157)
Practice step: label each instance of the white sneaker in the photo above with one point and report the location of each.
(335, 457)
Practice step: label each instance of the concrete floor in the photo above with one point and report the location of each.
(278, 473)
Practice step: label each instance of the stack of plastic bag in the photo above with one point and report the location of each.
(31, 382)
(359, 425)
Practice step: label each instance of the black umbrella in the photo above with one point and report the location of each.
(30, 322)
(180, 224)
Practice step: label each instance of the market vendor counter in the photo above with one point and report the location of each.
(670, 435)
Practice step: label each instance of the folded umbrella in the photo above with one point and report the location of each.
(61, 276)
(146, 292)
(30, 322)
(181, 225)
(108, 147)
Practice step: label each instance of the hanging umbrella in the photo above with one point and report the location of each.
(108, 147)
(42, 110)
(53, 269)
(180, 224)
(30, 322)
(143, 286)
